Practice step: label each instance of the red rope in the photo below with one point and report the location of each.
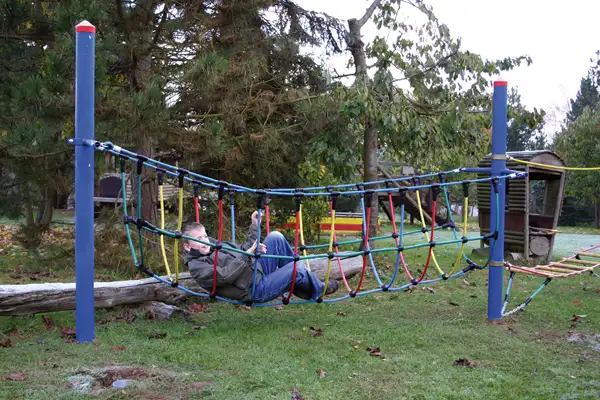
(219, 237)
(404, 266)
(366, 245)
(267, 218)
(433, 212)
(197, 208)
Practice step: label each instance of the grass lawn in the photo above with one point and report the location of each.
(396, 345)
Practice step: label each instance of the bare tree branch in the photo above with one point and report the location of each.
(369, 13)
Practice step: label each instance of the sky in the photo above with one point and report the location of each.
(560, 37)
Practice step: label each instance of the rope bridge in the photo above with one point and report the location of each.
(332, 193)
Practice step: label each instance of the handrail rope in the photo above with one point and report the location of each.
(161, 201)
(526, 302)
(212, 183)
(553, 166)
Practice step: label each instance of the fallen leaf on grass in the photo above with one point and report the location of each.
(375, 352)
(296, 394)
(430, 290)
(293, 337)
(452, 303)
(576, 319)
(156, 335)
(7, 343)
(49, 322)
(463, 362)
(278, 308)
(341, 313)
(240, 307)
(118, 348)
(199, 308)
(508, 328)
(15, 377)
(68, 333)
(316, 331)
(321, 373)
(577, 302)
(355, 345)
(199, 327)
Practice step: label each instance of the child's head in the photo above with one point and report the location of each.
(196, 231)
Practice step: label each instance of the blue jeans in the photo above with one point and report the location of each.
(277, 273)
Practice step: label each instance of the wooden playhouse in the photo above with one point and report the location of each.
(533, 204)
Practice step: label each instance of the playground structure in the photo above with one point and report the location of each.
(496, 177)
(530, 228)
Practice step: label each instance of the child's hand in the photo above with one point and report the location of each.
(255, 218)
(263, 248)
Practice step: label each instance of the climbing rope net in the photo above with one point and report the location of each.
(395, 187)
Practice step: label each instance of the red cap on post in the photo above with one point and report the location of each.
(85, 26)
(500, 83)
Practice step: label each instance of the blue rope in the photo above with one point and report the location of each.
(367, 244)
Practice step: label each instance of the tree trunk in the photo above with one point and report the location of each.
(52, 297)
(370, 144)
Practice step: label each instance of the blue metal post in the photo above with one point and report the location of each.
(84, 181)
(496, 269)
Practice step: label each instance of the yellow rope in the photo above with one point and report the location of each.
(427, 236)
(462, 247)
(330, 250)
(162, 226)
(553, 166)
(176, 243)
(302, 238)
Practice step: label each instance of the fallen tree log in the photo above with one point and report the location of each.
(50, 297)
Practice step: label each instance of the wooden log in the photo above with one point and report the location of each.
(539, 245)
(50, 297)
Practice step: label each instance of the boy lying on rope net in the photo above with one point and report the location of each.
(235, 271)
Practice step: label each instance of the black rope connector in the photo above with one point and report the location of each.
(122, 163)
(257, 254)
(296, 257)
(444, 277)
(395, 235)
(442, 177)
(213, 295)
(435, 191)
(218, 246)
(222, 189)
(400, 248)
(369, 197)
(402, 194)
(196, 190)
(414, 282)
(330, 255)
(178, 235)
(416, 181)
(464, 239)
(465, 186)
(366, 252)
(160, 176)
(139, 223)
(361, 189)
(335, 243)
(495, 184)
(302, 247)
(334, 196)
(285, 301)
(140, 163)
(260, 201)
(320, 300)
(232, 197)
(353, 293)
(174, 284)
(181, 176)
(385, 288)
(424, 230)
(431, 243)
(145, 269)
(249, 303)
(492, 236)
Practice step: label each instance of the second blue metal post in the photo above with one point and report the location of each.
(84, 181)
(496, 266)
